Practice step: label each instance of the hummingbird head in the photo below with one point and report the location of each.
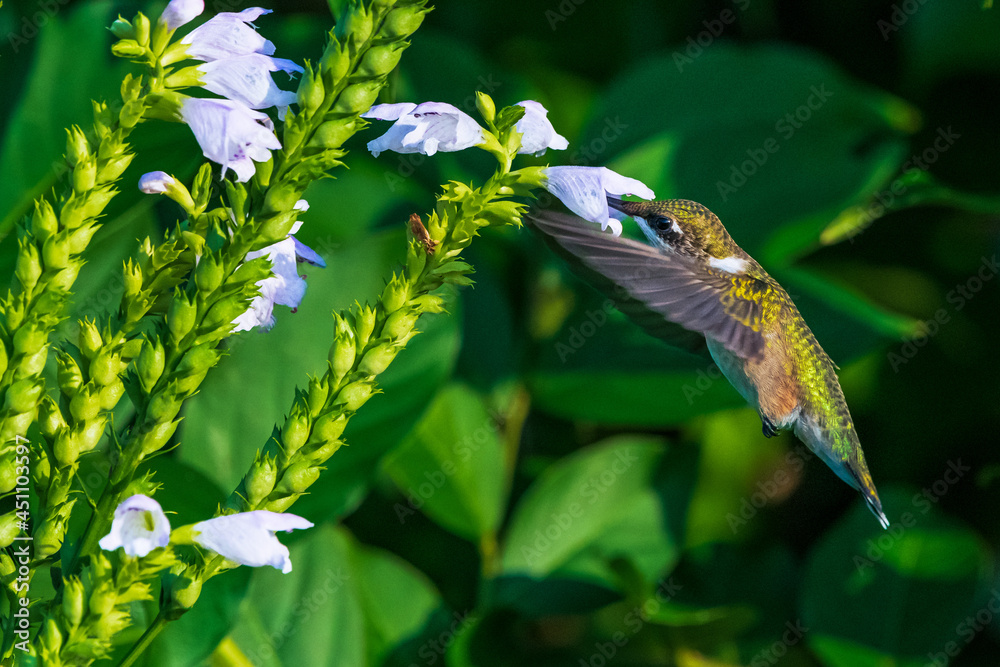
(681, 226)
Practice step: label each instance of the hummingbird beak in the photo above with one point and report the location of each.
(638, 211)
(632, 208)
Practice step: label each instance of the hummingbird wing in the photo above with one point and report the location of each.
(729, 307)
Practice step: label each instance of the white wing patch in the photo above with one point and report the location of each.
(731, 264)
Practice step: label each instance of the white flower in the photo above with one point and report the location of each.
(424, 128)
(285, 287)
(227, 34)
(248, 538)
(155, 182)
(179, 12)
(538, 133)
(229, 134)
(585, 190)
(247, 79)
(139, 526)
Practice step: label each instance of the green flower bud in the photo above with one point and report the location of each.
(199, 359)
(209, 274)
(95, 201)
(500, 213)
(333, 133)
(153, 439)
(282, 504)
(381, 60)
(400, 324)
(201, 188)
(29, 266)
(8, 473)
(55, 251)
(7, 567)
(10, 527)
(89, 340)
(487, 109)
(299, 477)
(89, 434)
(180, 316)
(66, 448)
(342, 355)
(77, 146)
(51, 637)
(184, 592)
(86, 404)
(50, 417)
(260, 479)
(364, 324)
(68, 373)
(149, 366)
(525, 180)
(356, 394)
(122, 29)
(319, 391)
(43, 222)
(324, 451)
(428, 303)
(295, 432)
(357, 97)
(127, 48)
(378, 358)
(72, 213)
(395, 294)
(132, 277)
(30, 338)
(110, 394)
(79, 238)
(335, 61)
(163, 406)
(310, 94)
(104, 367)
(52, 531)
(329, 427)
(85, 175)
(110, 170)
(357, 26)
(141, 25)
(402, 22)
(72, 602)
(23, 395)
(3, 357)
(137, 592)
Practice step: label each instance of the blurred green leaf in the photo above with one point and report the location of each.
(903, 592)
(589, 510)
(766, 136)
(451, 466)
(32, 142)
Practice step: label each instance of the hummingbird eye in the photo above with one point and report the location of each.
(663, 224)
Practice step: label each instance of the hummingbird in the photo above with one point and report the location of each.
(694, 275)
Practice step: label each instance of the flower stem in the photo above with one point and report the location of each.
(155, 628)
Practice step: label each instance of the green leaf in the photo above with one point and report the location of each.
(342, 604)
(903, 592)
(573, 517)
(451, 466)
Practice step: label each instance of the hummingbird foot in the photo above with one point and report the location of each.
(770, 429)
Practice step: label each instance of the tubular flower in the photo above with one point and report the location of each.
(249, 538)
(585, 190)
(537, 132)
(139, 527)
(229, 134)
(228, 34)
(424, 128)
(247, 79)
(179, 12)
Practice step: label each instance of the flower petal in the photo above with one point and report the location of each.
(155, 182)
(537, 132)
(249, 539)
(584, 190)
(226, 35)
(229, 133)
(425, 128)
(139, 526)
(248, 79)
(179, 12)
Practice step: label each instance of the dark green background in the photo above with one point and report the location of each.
(517, 418)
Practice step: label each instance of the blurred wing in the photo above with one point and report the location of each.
(725, 306)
